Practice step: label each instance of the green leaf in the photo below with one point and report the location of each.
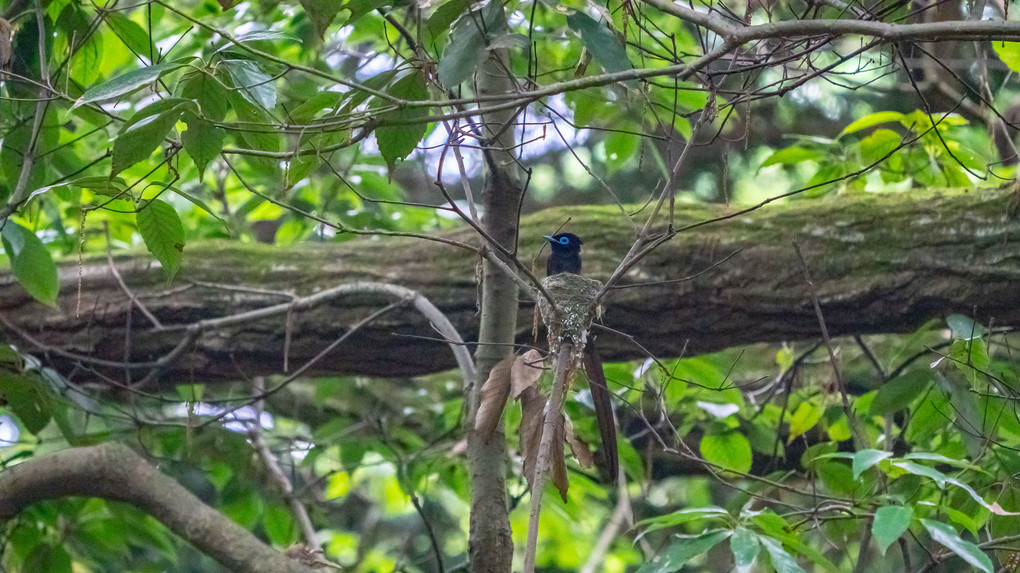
(31, 262)
(144, 132)
(359, 8)
(279, 526)
(680, 517)
(729, 450)
(466, 49)
(917, 469)
(1009, 53)
(947, 536)
(620, 148)
(202, 140)
(129, 32)
(163, 233)
(601, 42)
(47, 558)
(872, 120)
(791, 155)
(745, 547)
(898, 393)
(964, 327)
(890, 523)
(398, 140)
(804, 418)
(26, 397)
(864, 459)
(321, 13)
(937, 458)
(682, 550)
(444, 17)
(781, 560)
(125, 83)
(198, 202)
(209, 93)
(254, 84)
(879, 144)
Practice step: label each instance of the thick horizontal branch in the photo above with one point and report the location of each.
(881, 264)
(112, 471)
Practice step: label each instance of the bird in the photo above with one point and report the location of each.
(566, 258)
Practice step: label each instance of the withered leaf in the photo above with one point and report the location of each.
(5, 44)
(532, 408)
(556, 458)
(525, 372)
(578, 447)
(493, 397)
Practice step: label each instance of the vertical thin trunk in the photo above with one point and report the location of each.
(490, 545)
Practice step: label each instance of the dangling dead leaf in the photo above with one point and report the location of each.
(5, 44)
(532, 408)
(556, 458)
(525, 372)
(578, 447)
(493, 398)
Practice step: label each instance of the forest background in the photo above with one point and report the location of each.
(260, 259)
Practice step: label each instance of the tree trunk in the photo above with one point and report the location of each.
(881, 263)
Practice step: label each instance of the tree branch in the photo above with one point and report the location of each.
(113, 471)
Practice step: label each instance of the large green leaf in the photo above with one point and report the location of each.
(321, 13)
(898, 393)
(1009, 53)
(467, 47)
(31, 262)
(804, 418)
(253, 82)
(601, 42)
(872, 120)
(947, 536)
(129, 32)
(891, 521)
(728, 449)
(209, 93)
(745, 547)
(781, 560)
(203, 141)
(26, 396)
(126, 83)
(864, 459)
(163, 233)
(682, 550)
(145, 130)
(680, 517)
(405, 126)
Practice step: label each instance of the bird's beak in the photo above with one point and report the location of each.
(550, 239)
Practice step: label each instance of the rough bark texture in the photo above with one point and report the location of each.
(113, 471)
(490, 542)
(881, 263)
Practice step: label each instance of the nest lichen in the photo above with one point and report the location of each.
(576, 307)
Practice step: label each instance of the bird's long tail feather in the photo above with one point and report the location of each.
(600, 398)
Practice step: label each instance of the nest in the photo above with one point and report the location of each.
(574, 296)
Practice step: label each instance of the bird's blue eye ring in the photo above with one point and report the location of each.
(564, 240)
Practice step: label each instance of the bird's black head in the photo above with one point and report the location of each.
(566, 254)
(565, 242)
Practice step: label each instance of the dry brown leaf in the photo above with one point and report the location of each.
(525, 372)
(5, 44)
(532, 409)
(493, 397)
(578, 447)
(558, 461)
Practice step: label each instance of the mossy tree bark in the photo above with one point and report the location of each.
(881, 264)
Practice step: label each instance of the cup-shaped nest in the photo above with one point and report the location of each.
(574, 296)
